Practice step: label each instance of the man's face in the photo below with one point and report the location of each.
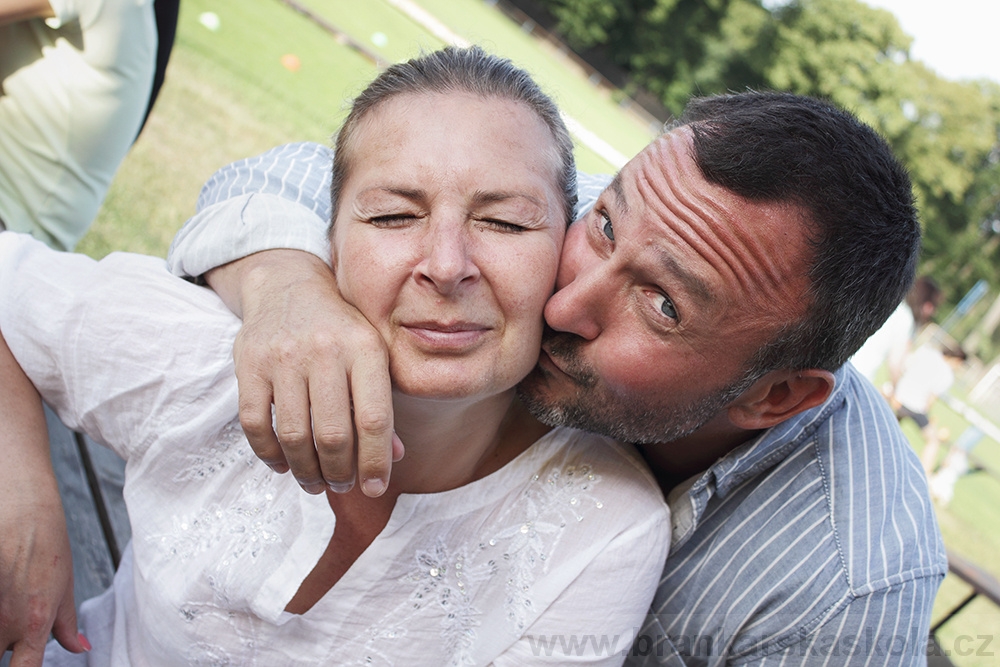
(665, 290)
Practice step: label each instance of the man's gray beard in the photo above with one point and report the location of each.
(626, 420)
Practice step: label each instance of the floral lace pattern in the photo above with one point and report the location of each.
(446, 578)
(229, 449)
(238, 529)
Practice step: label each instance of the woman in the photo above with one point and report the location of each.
(496, 539)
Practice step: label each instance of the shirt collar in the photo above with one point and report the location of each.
(689, 499)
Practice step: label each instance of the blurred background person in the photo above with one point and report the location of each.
(76, 83)
(955, 464)
(927, 373)
(890, 344)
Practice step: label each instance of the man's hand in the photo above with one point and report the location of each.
(36, 568)
(313, 356)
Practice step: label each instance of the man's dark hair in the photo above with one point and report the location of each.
(856, 199)
(454, 69)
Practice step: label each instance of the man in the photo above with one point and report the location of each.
(706, 306)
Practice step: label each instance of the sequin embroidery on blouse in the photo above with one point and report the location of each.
(446, 578)
(242, 526)
(225, 451)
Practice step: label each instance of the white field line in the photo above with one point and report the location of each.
(586, 137)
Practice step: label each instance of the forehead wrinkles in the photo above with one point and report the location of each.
(713, 221)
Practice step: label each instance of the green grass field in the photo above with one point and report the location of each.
(227, 96)
(970, 525)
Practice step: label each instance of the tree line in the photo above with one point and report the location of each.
(946, 132)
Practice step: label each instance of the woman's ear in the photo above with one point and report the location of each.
(780, 395)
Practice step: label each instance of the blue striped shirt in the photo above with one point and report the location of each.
(813, 544)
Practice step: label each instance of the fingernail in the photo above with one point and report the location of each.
(340, 487)
(373, 487)
(311, 487)
(279, 468)
(83, 641)
(397, 448)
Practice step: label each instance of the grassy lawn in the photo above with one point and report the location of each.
(970, 524)
(227, 96)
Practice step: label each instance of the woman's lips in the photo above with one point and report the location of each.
(452, 336)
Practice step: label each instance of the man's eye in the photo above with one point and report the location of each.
(607, 227)
(667, 307)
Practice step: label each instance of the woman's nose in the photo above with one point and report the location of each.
(448, 260)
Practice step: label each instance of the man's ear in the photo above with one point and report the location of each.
(780, 395)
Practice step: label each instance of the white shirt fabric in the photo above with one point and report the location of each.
(926, 376)
(557, 553)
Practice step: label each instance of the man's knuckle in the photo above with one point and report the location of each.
(291, 436)
(373, 421)
(254, 426)
(326, 344)
(334, 438)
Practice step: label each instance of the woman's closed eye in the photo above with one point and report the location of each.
(501, 225)
(393, 219)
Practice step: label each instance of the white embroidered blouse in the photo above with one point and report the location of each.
(553, 558)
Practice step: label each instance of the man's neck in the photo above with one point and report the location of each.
(675, 461)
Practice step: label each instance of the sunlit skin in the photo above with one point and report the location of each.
(447, 239)
(665, 290)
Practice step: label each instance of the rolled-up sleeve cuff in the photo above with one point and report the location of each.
(234, 228)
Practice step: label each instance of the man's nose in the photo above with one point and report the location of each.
(448, 259)
(582, 295)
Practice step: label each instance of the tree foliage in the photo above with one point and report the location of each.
(946, 132)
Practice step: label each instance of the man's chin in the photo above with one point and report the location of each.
(535, 392)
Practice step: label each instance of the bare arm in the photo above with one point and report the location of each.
(36, 570)
(12, 11)
(314, 356)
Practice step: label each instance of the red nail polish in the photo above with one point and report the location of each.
(83, 641)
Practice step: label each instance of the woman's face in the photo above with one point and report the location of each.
(447, 238)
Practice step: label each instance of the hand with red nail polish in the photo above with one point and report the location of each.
(36, 568)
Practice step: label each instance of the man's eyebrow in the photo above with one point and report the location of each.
(692, 283)
(616, 186)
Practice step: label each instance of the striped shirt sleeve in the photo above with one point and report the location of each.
(280, 199)
(885, 628)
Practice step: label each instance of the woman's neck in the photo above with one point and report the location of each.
(447, 445)
(451, 443)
